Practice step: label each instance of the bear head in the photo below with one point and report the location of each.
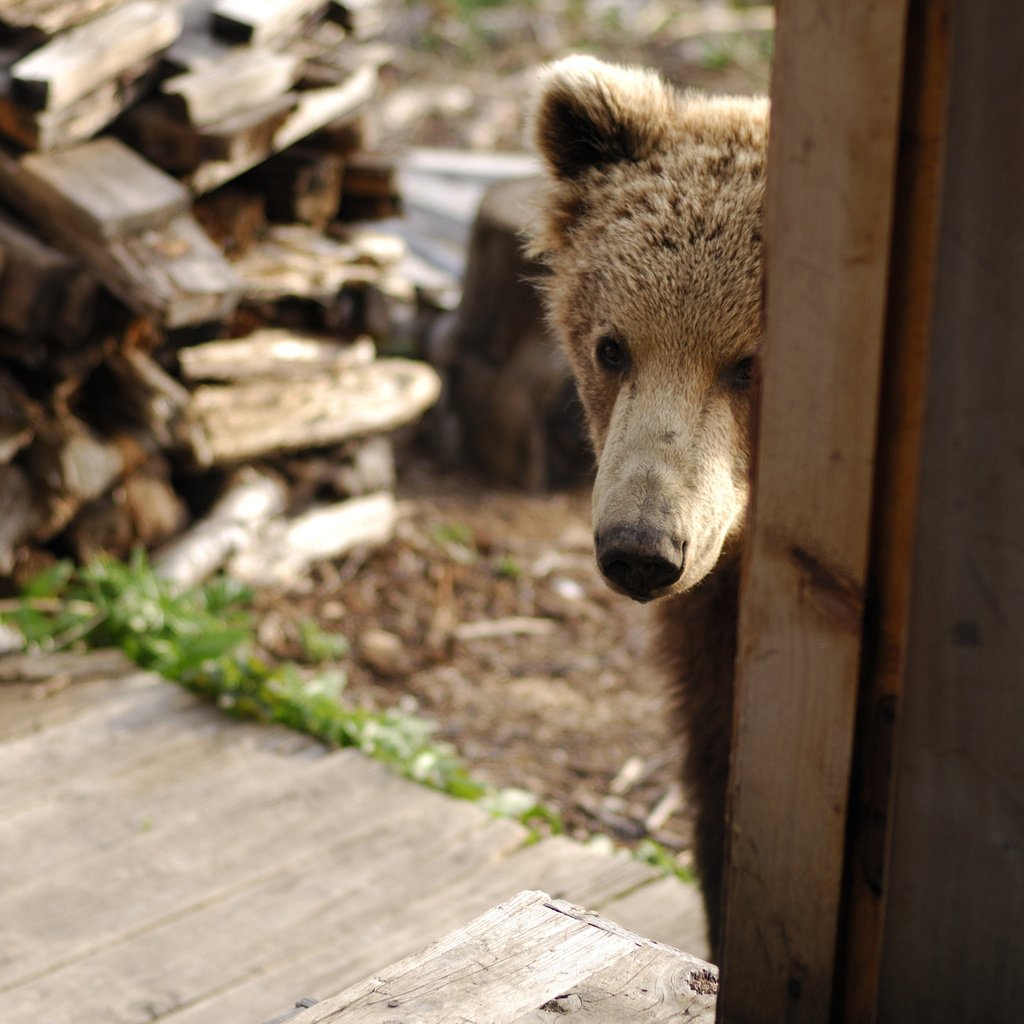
(650, 226)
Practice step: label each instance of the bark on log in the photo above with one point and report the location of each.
(282, 552)
(255, 419)
(251, 498)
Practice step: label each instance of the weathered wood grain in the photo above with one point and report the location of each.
(836, 89)
(52, 16)
(245, 420)
(101, 189)
(157, 858)
(272, 352)
(910, 305)
(244, 79)
(80, 119)
(259, 21)
(521, 956)
(80, 60)
(954, 912)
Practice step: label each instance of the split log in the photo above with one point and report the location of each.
(52, 16)
(233, 217)
(80, 60)
(356, 468)
(150, 399)
(251, 498)
(100, 189)
(248, 420)
(81, 119)
(20, 510)
(18, 417)
(32, 281)
(302, 185)
(282, 552)
(173, 274)
(272, 353)
(294, 261)
(311, 110)
(259, 21)
(244, 79)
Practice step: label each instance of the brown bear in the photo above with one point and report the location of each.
(650, 226)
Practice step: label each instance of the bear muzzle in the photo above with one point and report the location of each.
(640, 563)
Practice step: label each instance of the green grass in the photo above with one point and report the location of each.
(203, 639)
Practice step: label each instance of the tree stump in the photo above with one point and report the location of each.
(511, 387)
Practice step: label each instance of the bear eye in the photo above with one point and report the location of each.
(743, 374)
(611, 354)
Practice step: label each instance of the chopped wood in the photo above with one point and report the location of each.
(32, 280)
(81, 59)
(244, 79)
(272, 353)
(248, 420)
(100, 189)
(20, 510)
(526, 962)
(302, 185)
(18, 417)
(310, 110)
(251, 497)
(259, 21)
(296, 261)
(82, 118)
(150, 397)
(233, 217)
(173, 274)
(52, 16)
(282, 552)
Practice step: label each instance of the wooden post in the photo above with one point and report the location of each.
(954, 922)
(836, 108)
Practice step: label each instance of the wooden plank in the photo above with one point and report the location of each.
(81, 59)
(179, 861)
(259, 21)
(389, 930)
(101, 189)
(911, 298)
(516, 959)
(33, 277)
(52, 16)
(82, 118)
(267, 921)
(955, 890)
(173, 274)
(311, 110)
(272, 352)
(247, 420)
(836, 89)
(244, 79)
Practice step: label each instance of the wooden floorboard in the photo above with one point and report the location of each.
(159, 861)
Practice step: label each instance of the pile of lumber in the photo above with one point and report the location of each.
(192, 288)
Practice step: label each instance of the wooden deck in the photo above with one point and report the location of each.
(161, 862)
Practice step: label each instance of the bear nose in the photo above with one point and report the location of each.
(640, 562)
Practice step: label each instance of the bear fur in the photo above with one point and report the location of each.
(650, 226)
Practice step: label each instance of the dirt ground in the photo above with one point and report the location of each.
(487, 615)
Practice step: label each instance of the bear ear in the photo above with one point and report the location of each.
(587, 113)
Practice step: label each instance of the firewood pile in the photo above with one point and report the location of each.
(192, 286)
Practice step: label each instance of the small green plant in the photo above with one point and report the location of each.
(318, 645)
(508, 567)
(650, 851)
(202, 638)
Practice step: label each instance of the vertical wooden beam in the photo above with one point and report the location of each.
(911, 297)
(835, 122)
(955, 890)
